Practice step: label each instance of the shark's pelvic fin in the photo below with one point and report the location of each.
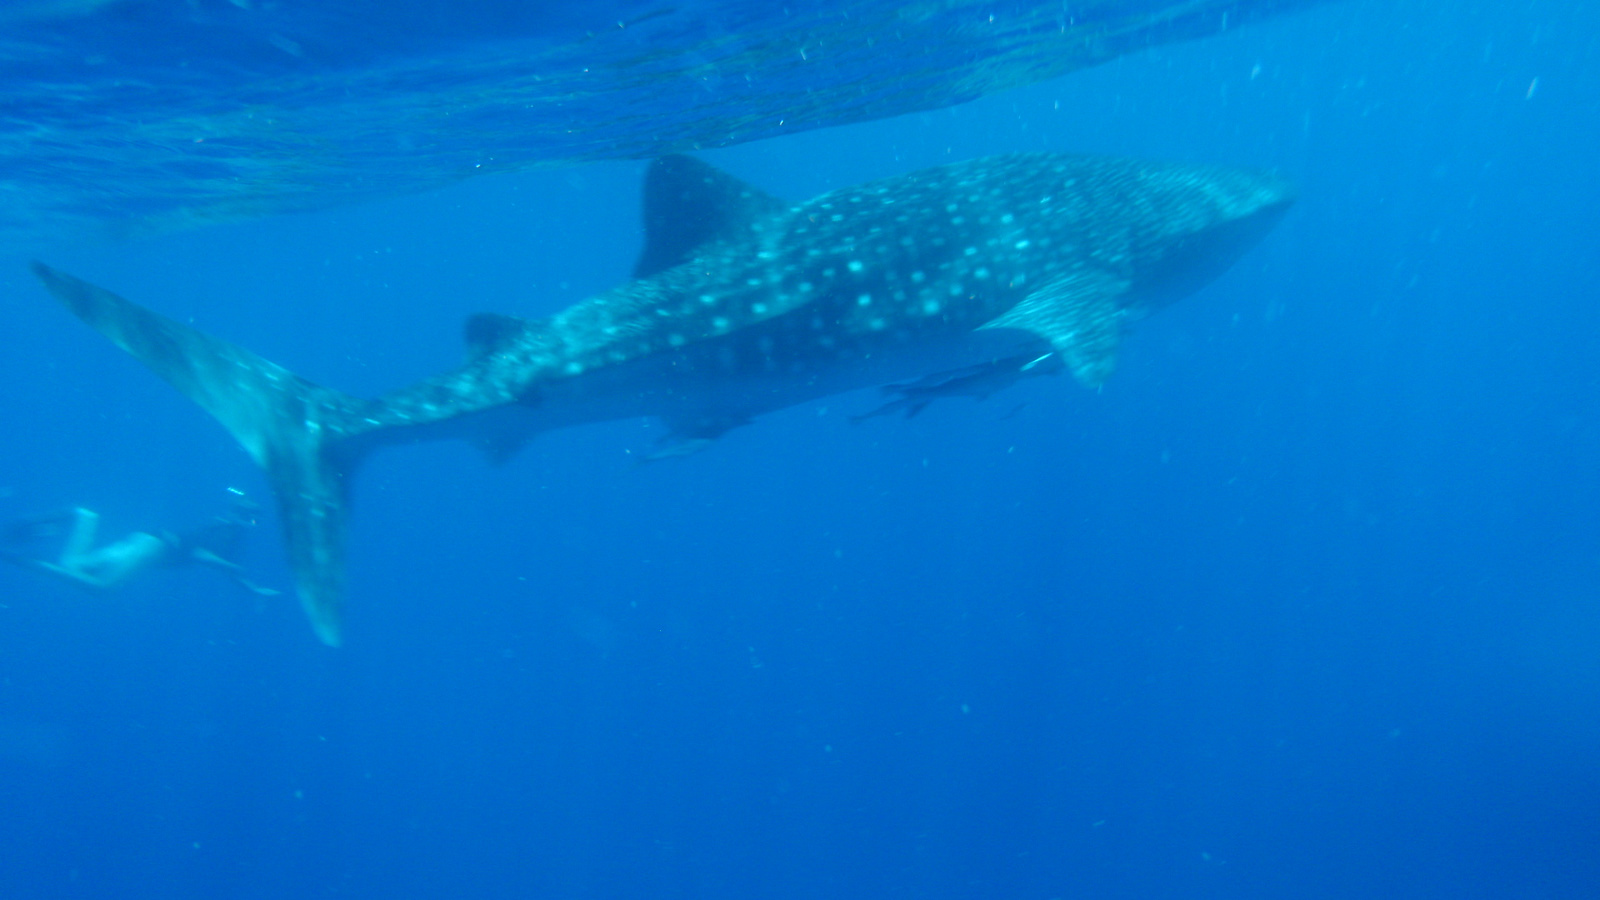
(296, 431)
(1081, 318)
(688, 204)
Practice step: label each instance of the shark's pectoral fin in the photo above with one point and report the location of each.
(1079, 316)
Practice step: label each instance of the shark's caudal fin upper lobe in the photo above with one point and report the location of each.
(296, 431)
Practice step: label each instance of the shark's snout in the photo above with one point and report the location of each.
(1245, 205)
(1271, 192)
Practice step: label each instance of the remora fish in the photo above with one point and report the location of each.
(979, 382)
(740, 305)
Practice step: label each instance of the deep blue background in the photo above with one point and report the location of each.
(1305, 602)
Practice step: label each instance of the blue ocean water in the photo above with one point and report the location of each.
(1304, 602)
(140, 116)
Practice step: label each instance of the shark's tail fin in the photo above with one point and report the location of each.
(298, 432)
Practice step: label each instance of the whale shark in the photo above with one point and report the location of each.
(741, 304)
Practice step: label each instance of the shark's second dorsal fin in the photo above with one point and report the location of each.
(488, 333)
(688, 203)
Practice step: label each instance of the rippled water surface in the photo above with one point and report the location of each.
(154, 115)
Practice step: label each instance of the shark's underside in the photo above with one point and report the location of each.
(960, 276)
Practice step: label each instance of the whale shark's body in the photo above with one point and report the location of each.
(742, 304)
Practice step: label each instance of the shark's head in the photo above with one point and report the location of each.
(1207, 218)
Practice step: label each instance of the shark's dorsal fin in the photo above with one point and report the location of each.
(488, 333)
(688, 203)
(1079, 316)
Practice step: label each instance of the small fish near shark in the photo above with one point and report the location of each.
(979, 382)
(966, 276)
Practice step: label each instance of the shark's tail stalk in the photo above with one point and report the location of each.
(298, 432)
